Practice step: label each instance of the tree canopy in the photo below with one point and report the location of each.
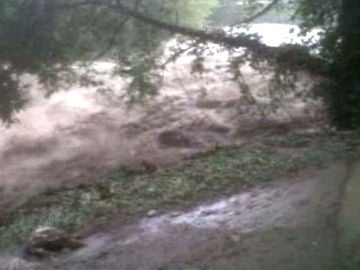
(45, 37)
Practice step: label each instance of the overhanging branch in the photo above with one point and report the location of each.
(238, 41)
(261, 50)
(258, 14)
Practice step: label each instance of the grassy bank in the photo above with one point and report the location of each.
(212, 173)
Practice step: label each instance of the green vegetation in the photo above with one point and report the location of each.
(340, 47)
(213, 173)
(347, 263)
(46, 37)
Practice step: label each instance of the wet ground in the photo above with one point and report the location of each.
(349, 218)
(285, 226)
(303, 223)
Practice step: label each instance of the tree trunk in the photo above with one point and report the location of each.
(345, 100)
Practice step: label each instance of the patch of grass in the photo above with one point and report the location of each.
(347, 263)
(64, 217)
(218, 171)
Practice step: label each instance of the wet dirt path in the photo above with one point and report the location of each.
(288, 225)
(349, 218)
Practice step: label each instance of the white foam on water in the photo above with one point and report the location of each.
(94, 121)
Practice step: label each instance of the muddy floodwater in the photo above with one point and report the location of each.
(79, 133)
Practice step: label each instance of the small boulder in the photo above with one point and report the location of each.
(152, 213)
(46, 240)
(148, 167)
(174, 138)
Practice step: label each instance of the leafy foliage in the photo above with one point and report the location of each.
(340, 46)
(46, 37)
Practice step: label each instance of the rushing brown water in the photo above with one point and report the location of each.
(80, 132)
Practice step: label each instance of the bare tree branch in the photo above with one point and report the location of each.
(231, 41)
(174, 56)
(79, 4)
(258, 14)
(242, 40)
(111, 41)
(115, 34)
(238, 41)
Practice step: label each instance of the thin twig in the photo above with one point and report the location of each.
(177, 54)
(114, 35)
(257, 15)
(112, 40)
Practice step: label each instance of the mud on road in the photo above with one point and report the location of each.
(284, 226)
